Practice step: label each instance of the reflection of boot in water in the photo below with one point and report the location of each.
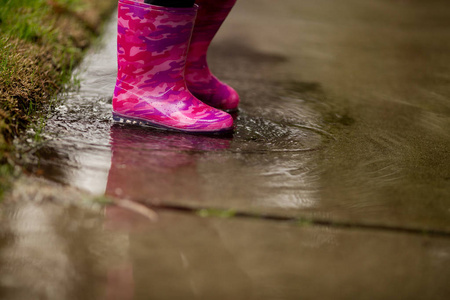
(149, 165)
(153, 166)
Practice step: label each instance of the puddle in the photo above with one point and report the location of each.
(87, 150)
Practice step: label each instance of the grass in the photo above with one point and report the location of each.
(41, 41)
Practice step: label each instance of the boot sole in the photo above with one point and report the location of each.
(122, 119)
(231, 110)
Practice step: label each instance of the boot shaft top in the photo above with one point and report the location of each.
(152, 43)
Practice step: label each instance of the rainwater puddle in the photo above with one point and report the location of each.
(87, 150)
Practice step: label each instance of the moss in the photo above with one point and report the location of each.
(304, 222)
(219, 213)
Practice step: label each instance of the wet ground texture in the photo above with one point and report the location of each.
(335, 183)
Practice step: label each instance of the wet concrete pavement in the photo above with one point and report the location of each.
(342, 145)
(60, 253)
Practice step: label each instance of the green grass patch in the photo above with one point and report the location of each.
(33, 20)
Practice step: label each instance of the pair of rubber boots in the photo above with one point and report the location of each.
(163, 78)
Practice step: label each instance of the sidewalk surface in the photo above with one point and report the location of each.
(335, 184)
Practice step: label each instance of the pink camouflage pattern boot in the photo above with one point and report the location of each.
(152, 45)
(200, 81)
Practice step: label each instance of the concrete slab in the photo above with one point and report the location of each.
(48, 251)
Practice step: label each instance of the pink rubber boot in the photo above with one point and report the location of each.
(200, 81)
(152, 45)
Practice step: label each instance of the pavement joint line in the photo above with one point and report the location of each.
(310, 221)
